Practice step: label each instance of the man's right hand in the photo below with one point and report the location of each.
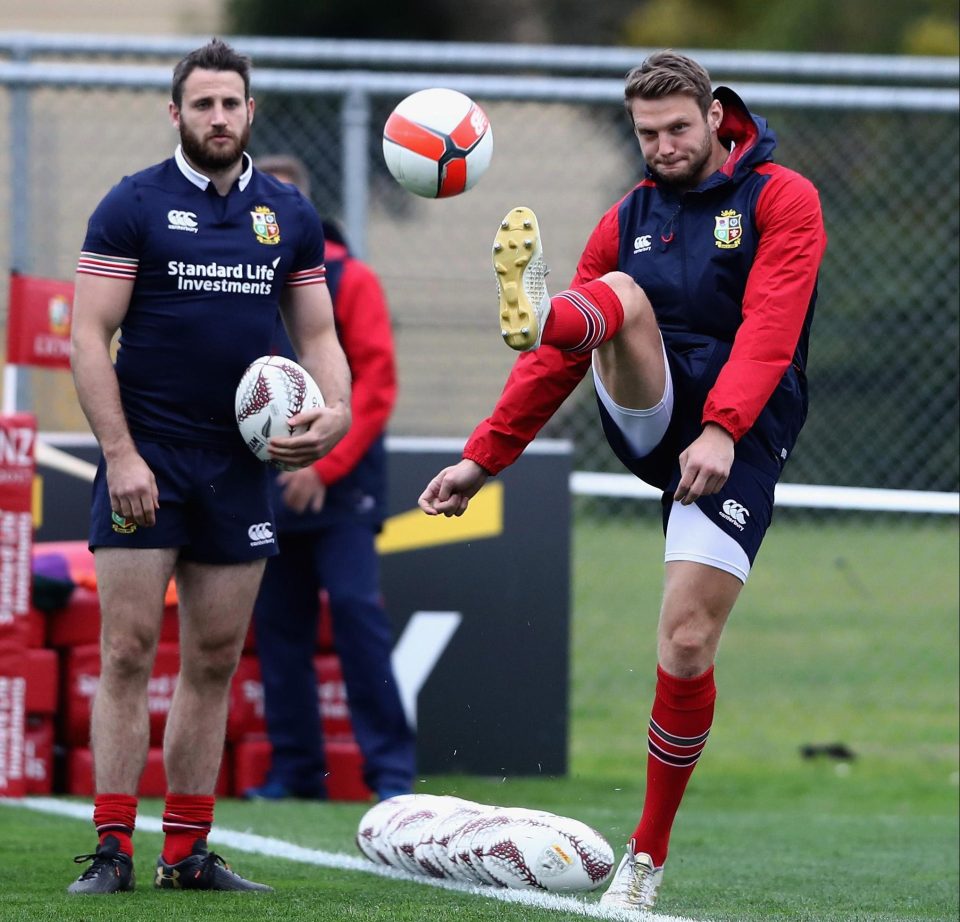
(303, 489)
(451, 490)
(133, 489)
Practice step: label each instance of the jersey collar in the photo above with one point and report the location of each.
(201, 181)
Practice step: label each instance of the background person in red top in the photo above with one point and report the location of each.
(328, 516)
(692, 305)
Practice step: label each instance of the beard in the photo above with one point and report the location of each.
(690, 175)
(209, 158)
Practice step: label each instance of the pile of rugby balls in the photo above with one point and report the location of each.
(455, 839)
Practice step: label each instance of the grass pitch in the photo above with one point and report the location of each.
(847, 633)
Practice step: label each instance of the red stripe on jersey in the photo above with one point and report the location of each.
(104, 274)
(110, 267)
(413, 137)
(315, 276)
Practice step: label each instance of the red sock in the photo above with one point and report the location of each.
(116, 815)
(187, 819)
(582, 318)
(679, 727)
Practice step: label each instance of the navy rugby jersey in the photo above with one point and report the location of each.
(730, 268)
(208, 272)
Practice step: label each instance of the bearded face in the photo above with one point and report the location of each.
(684, 169)
(678, 142)
(213, 119)
(213, 150)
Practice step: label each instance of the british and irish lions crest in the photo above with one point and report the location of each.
(265, 225)
(728, 229)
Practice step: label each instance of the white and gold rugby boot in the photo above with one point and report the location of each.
(521, 279)
(635, 884)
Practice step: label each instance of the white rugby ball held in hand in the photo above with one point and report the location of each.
(272, 389)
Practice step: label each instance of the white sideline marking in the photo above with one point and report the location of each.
(278, 848)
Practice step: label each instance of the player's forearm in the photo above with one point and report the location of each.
(539, 383)
(325, 361)
(99, 395)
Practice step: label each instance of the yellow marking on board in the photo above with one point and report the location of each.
(36, 501)
(409, 531)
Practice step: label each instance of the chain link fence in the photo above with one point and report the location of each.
(878, 136)
(884, 353)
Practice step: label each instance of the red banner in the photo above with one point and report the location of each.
(17, 435)
(38, 326)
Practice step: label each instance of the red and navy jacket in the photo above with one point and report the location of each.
(354, 471)
(730, 268)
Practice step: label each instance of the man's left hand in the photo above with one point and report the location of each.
(327, 425)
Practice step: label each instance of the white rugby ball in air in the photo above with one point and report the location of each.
(273, 389)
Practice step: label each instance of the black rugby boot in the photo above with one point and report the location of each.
(203, 870)
(110, 872)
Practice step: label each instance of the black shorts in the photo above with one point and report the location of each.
(214, 505)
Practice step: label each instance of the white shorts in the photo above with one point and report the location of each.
(642, 429)
(690, 534)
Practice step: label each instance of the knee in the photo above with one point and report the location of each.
(211, 664)
(686, 641)
(636, 304)
(687, 645)
(126, 658)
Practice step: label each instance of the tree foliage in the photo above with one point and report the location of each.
(865, 26)
(860, 26)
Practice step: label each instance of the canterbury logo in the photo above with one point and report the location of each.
(182, 220)
(735, 512)
(642, 244)
(261, 533)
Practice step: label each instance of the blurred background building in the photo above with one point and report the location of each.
(98, 17)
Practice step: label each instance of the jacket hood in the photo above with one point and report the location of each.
(752, 139)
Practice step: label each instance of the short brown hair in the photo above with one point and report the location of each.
(665, 73)
(215, 55)
(288, 165)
